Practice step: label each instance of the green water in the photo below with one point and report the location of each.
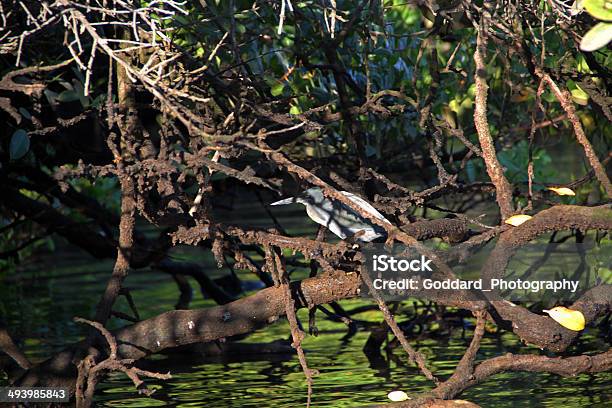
(40, 299)
(42, 302)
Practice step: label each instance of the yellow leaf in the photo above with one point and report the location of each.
(450, 116)
(308, 75)
(517, 220)
(579, 96)
(562, 191)
(455, 106)
(568, 318)
(587, 121)
(522, 95)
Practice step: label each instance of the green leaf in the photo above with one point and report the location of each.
(51, 96)
(68, 96)
(455, 106)
(277, 89)
(471, 92)
(20, 144)
(80, 92)
(600, 9)
(579, 96)
(582, 66)
(597, 37)
(467, 104)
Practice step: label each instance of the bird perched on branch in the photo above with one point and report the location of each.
(339, 218)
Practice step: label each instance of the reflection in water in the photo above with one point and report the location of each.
(346, 380)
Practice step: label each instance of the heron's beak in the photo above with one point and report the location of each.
(289, 200)
(547, 311)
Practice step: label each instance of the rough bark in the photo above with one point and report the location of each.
(530, 327)
(503, 190)
(181, 327)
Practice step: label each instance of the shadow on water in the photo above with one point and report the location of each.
(41, 297)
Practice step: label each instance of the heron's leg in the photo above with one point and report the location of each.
(321, 233)
(355, 237)
(314, 268)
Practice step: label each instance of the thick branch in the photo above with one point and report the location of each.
(124, 251)
(494, 168)
(536, 329)
(180, 327)
(8, 346)
(76, 233)
(567, 367)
